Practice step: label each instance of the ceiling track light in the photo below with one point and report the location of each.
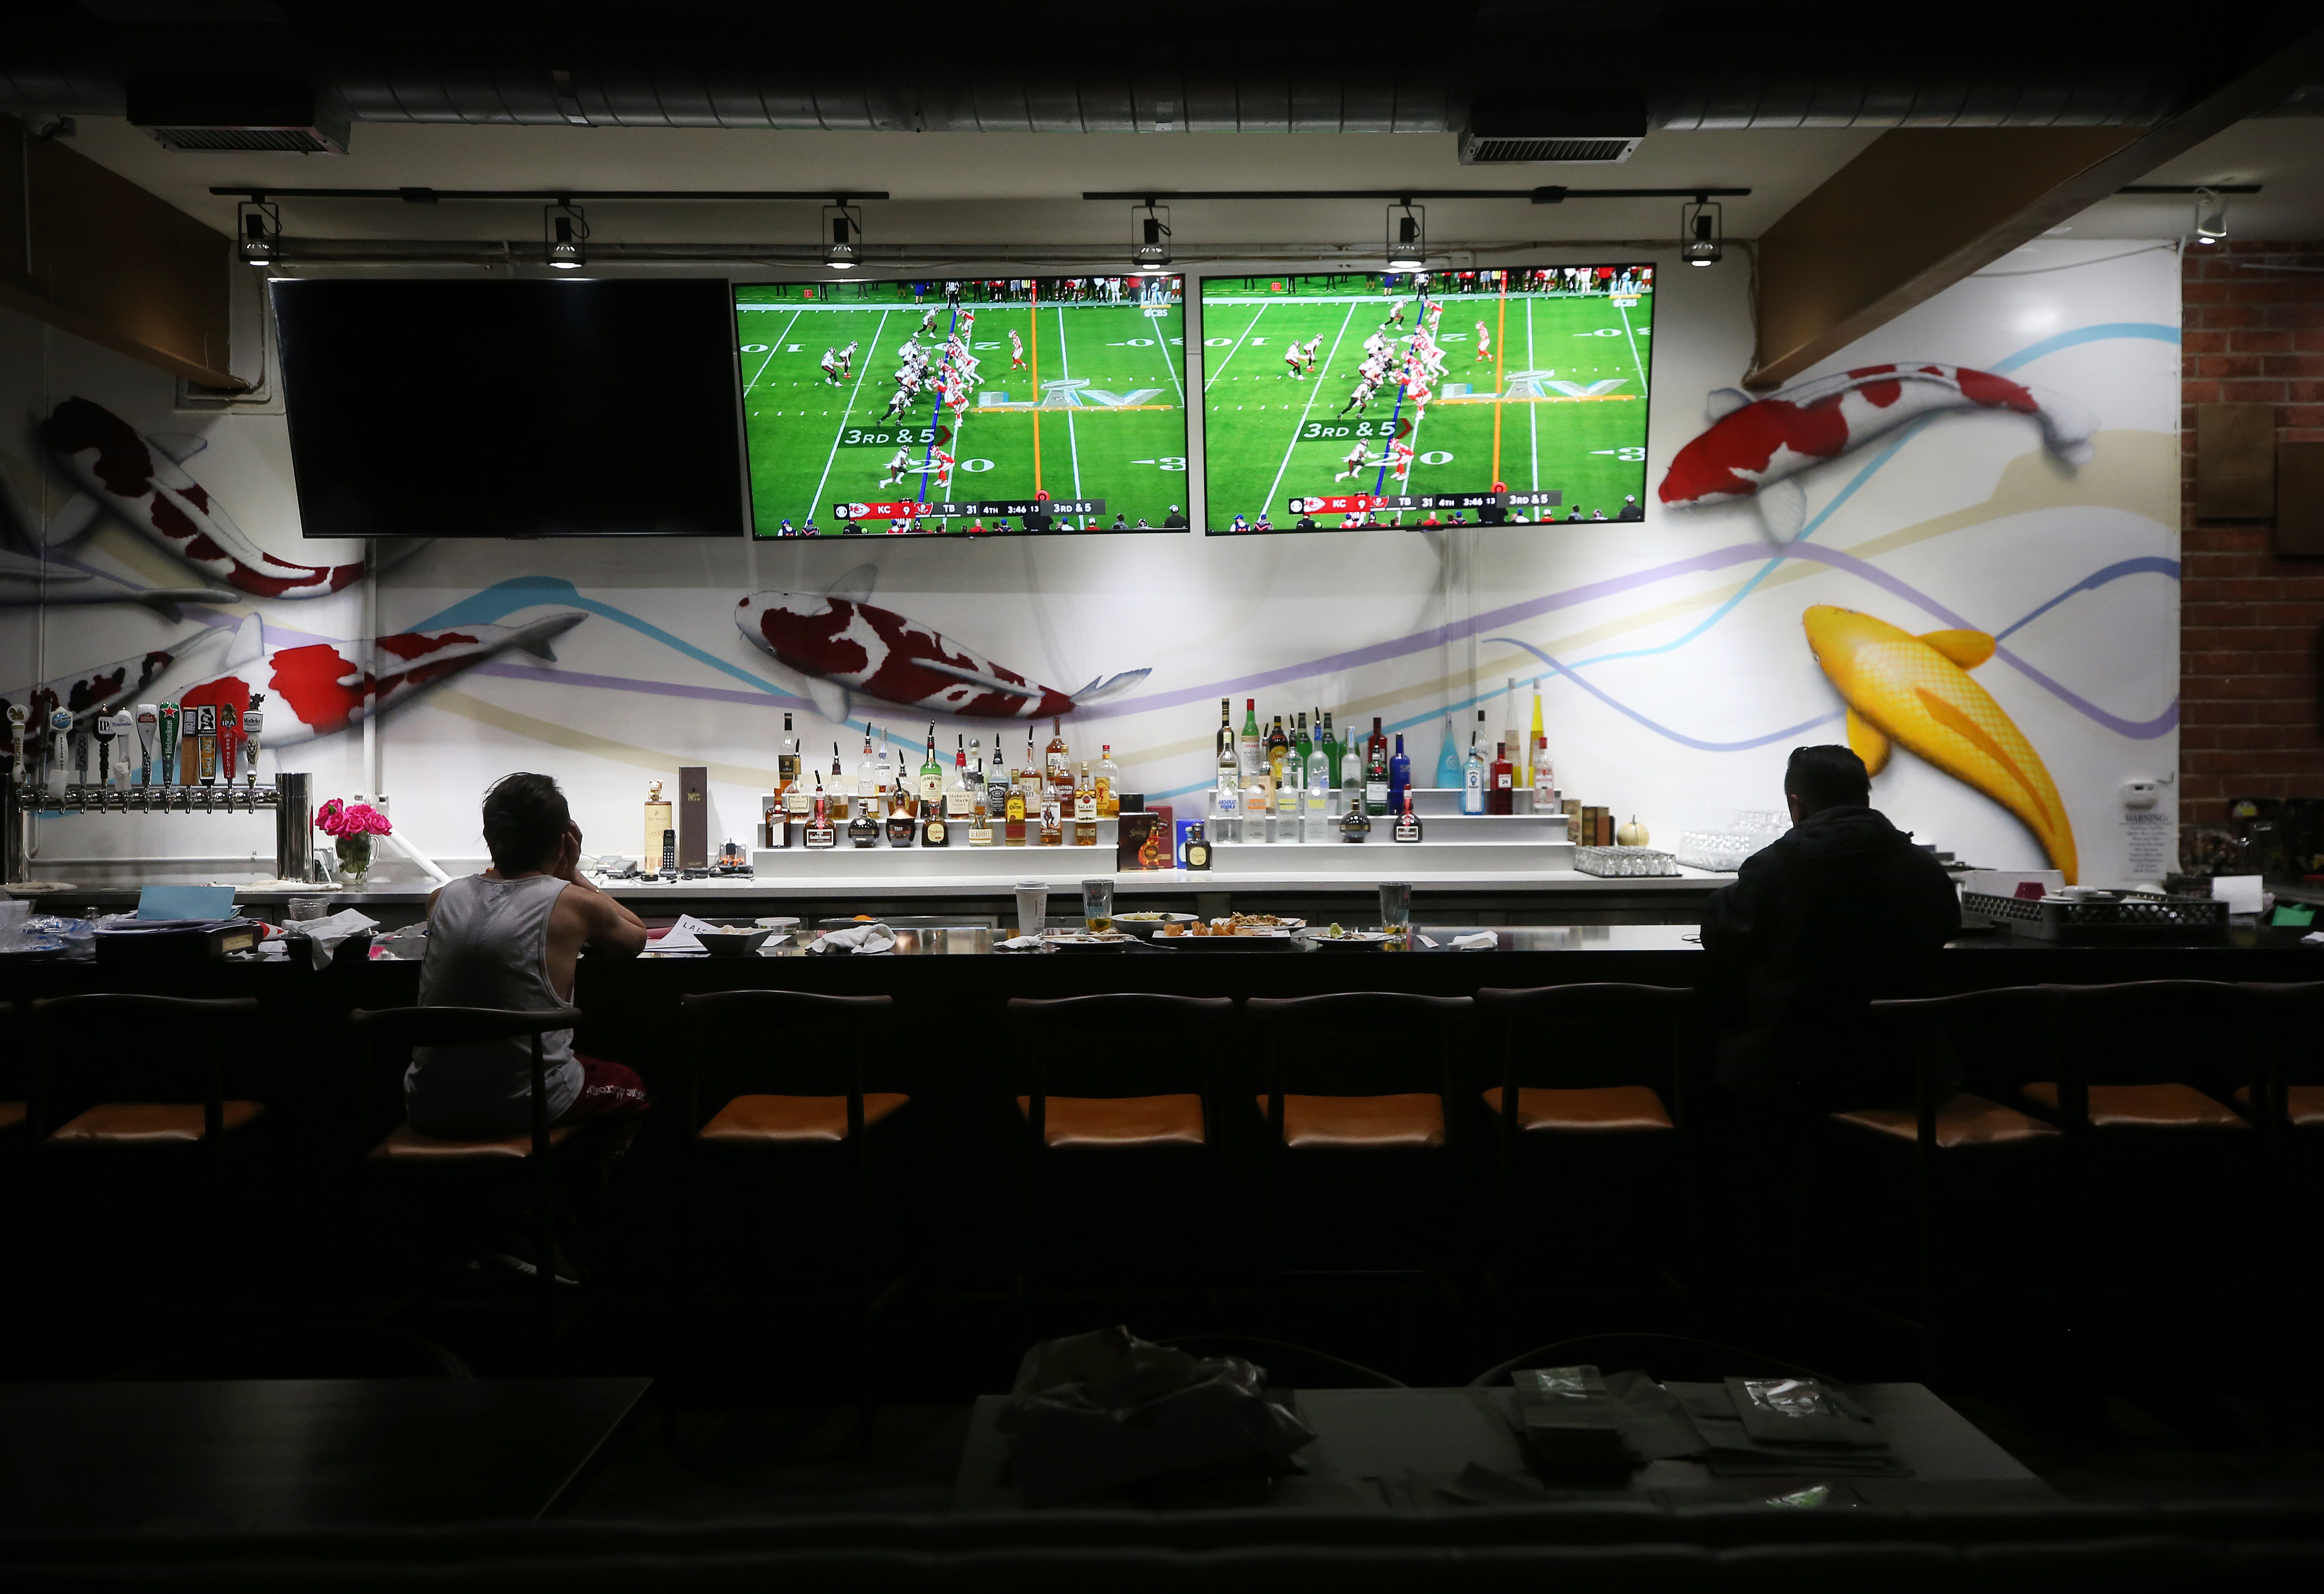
(1700, 226)
(843, 223)
(258, 231)
(1149, 250)
(1408, 237)
(2210, 216)
(564, 232)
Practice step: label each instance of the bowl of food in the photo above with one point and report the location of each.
(1335, 938)
(1146, 924)
(732, 942)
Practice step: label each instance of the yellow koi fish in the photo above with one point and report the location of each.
(1916, 690)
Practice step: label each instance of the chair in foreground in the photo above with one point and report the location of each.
(1113, 1083)
(399, 1029)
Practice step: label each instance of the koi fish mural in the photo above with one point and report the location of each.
(141, 481)
(1755, 449)
(840, 644)
(1915, 691)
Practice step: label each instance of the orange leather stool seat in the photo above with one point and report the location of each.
(2303, 1104)
(795, 1120)
(1964, 1121)
(1115, 1122)
(1600, 1110)
(2144, 1107)
(12, 1113)
(1364, 1123)
(149, 1123)
(406, 1143)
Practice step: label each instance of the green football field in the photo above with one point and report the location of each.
(1558, 402)
(1097, 411)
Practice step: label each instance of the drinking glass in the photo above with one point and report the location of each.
(1097, 906)
(1032, 907)
(303, 908)
(1396, 904)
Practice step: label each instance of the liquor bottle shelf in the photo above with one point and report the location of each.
(1534, 828)
(1381, 856)
(959, 859)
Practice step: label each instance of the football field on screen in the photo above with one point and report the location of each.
(1558, 402)
(1099, 411)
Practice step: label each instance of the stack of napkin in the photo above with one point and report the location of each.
(1777, 1427)
(1567, 1419)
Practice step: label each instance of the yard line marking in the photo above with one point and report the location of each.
(833, 457)
(1066, 364)
(1162, 342)
(1533, 411)
(771, 347)
(1625, 313)
(1500, 347)
(1237, 349)
(1313, 387)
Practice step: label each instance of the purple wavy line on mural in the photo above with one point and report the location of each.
(769, 698)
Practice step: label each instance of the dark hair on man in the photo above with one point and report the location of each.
(1827, 776)
(525, 818)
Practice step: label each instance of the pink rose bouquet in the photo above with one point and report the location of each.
(337, 818)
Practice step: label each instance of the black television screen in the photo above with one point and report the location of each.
(965, 406)
(1497, 396)
(426, 407)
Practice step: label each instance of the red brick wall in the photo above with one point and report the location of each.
(2248, 621)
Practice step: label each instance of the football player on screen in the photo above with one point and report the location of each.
(1015, 350)
(847, 361)
(899, 468)
(1361, 398)
(1355, 459)
(831, 366)
(1484, 342)
(1291, 361)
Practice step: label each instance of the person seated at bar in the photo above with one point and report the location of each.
(511, 937)
(1841, 910)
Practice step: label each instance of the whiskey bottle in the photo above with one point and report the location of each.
(1084, 809)
(934, 832)
(1053, 822)
(820, 832)
(1109, 783)
(835, 794)
(931, 786)
(1198, 847)
(864, 830)
(960, 796)
(902, 819)
(1057, 773)
(1278, 748)
(1376, 771)
(871, 784)
(1012, 833)
(1408, 823)
(1355, 824)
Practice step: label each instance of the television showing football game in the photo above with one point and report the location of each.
(965, 408)
(1478, 398)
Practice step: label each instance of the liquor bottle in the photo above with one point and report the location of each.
(836, 795)
(1408, 823)
(1053, 820)
(980, 811)
(1085, 809)
(1536, 744)
(1198, 847)
(903, 812)
(1399, 777)
(1376, 771)
(1012, 831)
(871, 781)
(960, 796)
(1448, 759)
(1109, 783)
(1472, 773)
(1278, 748)
(659, 818)
(1030, 778)
(1352, 774)
(1226, 798)
(1300, 748)
(1226, 730)
(932, 773)
(1251, 746)
(1355, 824)
(820, 831)
(997, 787)
(935, 830)
(1290, 799)
(1509, 736)
(1329, 740)
(787, 766)
(1058, 773)
(1315, 818)
(864, 830)
(1501, 792)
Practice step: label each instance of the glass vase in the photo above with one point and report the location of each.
(355, 859)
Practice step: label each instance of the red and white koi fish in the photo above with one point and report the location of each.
(1755, 448)
(27, 577)
(839, 643)
(314, 689)
(89, 693)
(143, 482)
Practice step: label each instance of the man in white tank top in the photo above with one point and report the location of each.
(509, 937)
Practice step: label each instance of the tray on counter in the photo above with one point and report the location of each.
(2136, 916)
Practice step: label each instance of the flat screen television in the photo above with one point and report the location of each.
(593, 407)
(965, 408)
(1492, 397)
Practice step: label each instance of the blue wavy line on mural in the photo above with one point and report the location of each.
(2153, 330)
(2153, 563)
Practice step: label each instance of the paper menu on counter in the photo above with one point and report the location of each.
(684, 936)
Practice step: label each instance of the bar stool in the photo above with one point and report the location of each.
(1362, 1079)
(1112, 1082)
(142, 1082)
(396, 1030)
(1610, 1108)
(1953, 1137)
(15, 1088)
(812, 1048)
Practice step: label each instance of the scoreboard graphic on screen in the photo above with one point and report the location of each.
(1491, 397)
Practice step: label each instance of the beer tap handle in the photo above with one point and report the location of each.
(59, 732)
(16, 717)
(253, 721)
(169, 725)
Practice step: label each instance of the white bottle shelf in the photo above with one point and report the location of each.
(1381, 856)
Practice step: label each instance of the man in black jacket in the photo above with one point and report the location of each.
(1841, 910)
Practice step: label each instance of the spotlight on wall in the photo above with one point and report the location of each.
(843, 223)
(2210, 216)
(564, 230)
(1699, 228)
(1149, 249)
(1408, 237)
(258, 228)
